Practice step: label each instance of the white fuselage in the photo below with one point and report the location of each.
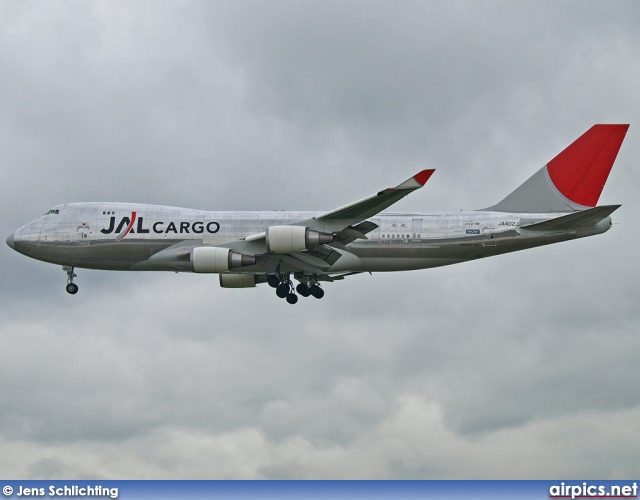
(122, 236)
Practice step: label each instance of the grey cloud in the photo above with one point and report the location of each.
(445, 373)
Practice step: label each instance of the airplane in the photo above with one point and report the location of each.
(558, 203)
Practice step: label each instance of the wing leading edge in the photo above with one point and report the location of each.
(346, 223)
(344, 217)
(376, 203)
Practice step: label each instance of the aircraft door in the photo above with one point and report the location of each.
(84, 233)
(416, 231)
(488, 235)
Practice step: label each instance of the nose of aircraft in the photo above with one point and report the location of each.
(10, 240)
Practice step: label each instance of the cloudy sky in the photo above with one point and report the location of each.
(521, 366)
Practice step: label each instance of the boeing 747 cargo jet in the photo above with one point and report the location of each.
(557, 203)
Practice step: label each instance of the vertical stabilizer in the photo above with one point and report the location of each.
(574, 179)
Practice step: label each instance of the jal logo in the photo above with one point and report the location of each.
(160, 227)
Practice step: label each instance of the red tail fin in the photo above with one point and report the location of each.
(581, 170)
(574, 179)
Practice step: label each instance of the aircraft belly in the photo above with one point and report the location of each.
(100, 255)
(389, 264)
(445, 251)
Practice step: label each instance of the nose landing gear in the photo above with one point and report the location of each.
(71, 287)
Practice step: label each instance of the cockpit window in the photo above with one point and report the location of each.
(53, 211)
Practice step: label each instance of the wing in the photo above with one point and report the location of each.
(346, 224)
(341, 221)
(327, 257)
(358, 211)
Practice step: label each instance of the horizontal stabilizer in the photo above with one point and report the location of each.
(589, 217)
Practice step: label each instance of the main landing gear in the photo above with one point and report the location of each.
(71, 287)
(305, 290)
(284, 288)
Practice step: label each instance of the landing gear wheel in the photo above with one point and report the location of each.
(303, 290)
(292, 298)
(316, 291)
(71, 287)
(283, 290)
(273, 281)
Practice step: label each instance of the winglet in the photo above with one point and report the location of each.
(422, 177)
(417, 181)
(367, 207)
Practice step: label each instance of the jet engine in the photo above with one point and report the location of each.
(218, 260)
(290, 239)
(238, 280)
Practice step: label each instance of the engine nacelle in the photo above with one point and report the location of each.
(290, 239)
(237, 280)
(218, 260)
